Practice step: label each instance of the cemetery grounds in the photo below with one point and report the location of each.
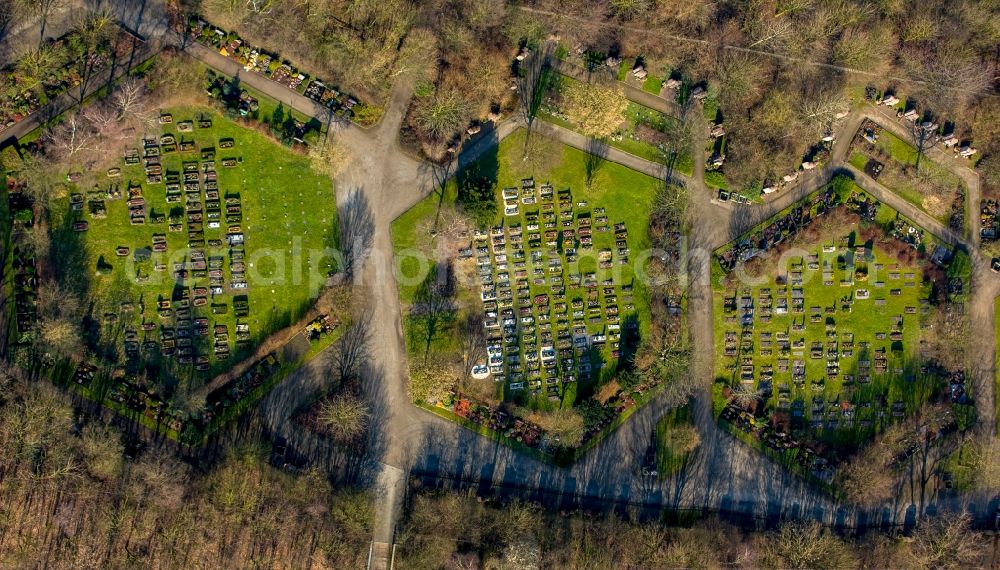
(644, 133)
(206, 231)
(829, 339)
(890, 161)
(529, 368)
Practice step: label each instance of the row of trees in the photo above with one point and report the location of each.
(72, 498)
(459, 531)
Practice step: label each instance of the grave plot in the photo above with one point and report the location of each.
(535, 310)
(256, 60)
(892, 162)
(550, 320)
(820, 327)
(202, 240)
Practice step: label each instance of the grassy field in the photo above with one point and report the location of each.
(624, 194)
(960, 468)
(635, 115)
(670, 459)
(652, 84)
(863, 323)
(710, 107)
(288, 219)
(859, 160)
(897, 148)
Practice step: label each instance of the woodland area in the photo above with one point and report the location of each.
(78, 494)
(783, 69)
(452, 530)
(779, 69)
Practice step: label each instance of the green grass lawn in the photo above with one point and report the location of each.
(962, 471)
(710, 107)
(716, 179)
(669, 458)
(635, 115)
(859, 160)
(625, 195)
(915, 188)
(652, 84)
(288, 219)
(898, 149)
(624, 67)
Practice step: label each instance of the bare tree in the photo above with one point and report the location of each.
(565, 427)
(767, 29)
(745, 396)
(130, 99)
(952, 80)
(330, 156)
(945, 541)
(431, 379)
(867, 479)
(102, 451)
(629, 9)
(683, 439)
(820, 110)
(986, 463)
(344, 416)
(598, 110)
(107, 126)
(808, 545)
(71, 138)
(92, 33)
(35, 67)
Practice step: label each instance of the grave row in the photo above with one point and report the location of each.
(524, 291)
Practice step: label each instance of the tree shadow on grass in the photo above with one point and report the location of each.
(597, 157)
(433, 310)
(477, 184)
